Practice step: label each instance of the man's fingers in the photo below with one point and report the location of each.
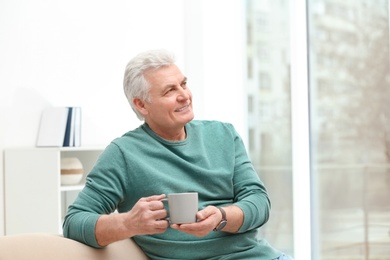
(155, 205)
(153, 198)
(205, 213)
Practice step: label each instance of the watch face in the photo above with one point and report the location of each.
(221, 225)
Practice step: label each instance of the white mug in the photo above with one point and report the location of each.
(182, 207)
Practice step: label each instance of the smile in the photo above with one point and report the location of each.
(181, 109)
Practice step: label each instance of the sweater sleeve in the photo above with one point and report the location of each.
(101, 195)
(250, 193)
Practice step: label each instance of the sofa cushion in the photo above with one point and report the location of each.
(38, 246)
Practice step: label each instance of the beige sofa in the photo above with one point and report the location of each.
(38, 246)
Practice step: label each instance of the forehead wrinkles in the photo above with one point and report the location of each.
(164, 76)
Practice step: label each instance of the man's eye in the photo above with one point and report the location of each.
(168, 91)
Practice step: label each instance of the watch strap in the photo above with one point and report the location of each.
(223, 213)
(223, 221)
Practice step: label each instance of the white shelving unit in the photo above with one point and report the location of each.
(35, 201)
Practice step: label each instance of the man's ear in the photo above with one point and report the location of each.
(140, 106)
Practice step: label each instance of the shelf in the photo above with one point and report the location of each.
(33, 184)
(66, 149)
(71, 187)
(80, 148)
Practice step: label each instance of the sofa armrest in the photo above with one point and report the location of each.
(39, 246)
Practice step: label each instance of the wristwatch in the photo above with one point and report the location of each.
(223, 222)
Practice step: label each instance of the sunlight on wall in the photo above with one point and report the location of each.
(73, 53)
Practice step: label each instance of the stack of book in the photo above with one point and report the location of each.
(60, 126)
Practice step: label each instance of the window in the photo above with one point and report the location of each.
(350, 128)
(269, 113)
(348, 115)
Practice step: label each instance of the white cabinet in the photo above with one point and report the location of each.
(35, 201)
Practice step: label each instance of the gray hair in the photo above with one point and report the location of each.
(134, 83)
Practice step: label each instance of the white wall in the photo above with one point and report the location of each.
(73, 53)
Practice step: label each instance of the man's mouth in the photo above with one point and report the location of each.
(182, 109)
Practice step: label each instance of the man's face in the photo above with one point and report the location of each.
(171, 100)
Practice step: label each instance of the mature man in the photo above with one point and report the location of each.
(169, 153)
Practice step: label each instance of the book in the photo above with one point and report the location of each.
(68, 140)
(52, 127)
(73, 127)
(60, 126)
(77, 126)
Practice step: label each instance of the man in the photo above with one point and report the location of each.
(172, 153)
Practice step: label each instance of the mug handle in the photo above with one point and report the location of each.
(167, 218)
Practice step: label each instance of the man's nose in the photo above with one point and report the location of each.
(183, 95)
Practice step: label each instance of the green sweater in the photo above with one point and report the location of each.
(212, 161)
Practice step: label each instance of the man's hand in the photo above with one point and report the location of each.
(209, 218)
(145, 218)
